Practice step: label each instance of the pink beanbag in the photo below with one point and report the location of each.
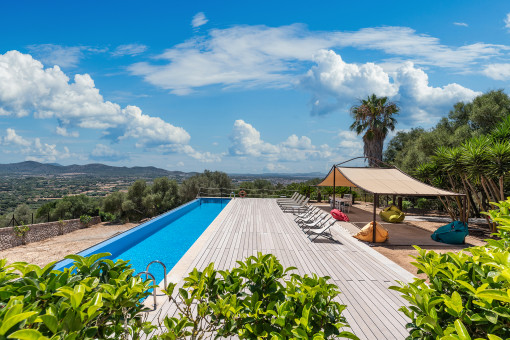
(339, 216)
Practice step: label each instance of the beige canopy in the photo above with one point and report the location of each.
(381, 181)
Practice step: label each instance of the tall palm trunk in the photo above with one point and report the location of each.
(373, 148)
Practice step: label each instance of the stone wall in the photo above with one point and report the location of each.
(41, 231)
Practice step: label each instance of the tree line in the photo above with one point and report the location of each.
(467, 152)
(141, 200)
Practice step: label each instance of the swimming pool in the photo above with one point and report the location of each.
(165, 238)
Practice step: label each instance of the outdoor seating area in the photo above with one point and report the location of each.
(344, 203)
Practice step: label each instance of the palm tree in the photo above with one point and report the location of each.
(374, 117)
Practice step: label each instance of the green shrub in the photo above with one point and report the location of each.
(258, 299)
(468, 295)
(423, 203)
(406, 205)
(21, 232)
(61, 225)
(95, 298)
(85, 220)
(107, 217)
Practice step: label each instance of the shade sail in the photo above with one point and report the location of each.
(381, 181)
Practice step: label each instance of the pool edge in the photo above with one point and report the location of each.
(64, 263)
(183, 265)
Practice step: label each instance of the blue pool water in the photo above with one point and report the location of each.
(170, 243)
(165, 238)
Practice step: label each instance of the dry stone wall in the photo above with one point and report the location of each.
(41, 231)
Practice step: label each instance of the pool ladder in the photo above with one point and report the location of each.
(147, 274)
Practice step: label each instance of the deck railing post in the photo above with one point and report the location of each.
(334, 184)
(374, 222)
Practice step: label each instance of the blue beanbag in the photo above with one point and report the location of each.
(452, 233)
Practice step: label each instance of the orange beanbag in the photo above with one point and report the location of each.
(367, 233)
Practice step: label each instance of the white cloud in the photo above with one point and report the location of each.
(461, 24)
(331, 76)
(63, 132)
(180, 164)
(497, 71)
(14, 139)
(34, 149)
(272, 167)
(246, 141)
(152, 131)
(62, 56)
(105, 153)
(507, 21)
(419, 48)
(129, 49)
(336, 84)
(413, 84)
(350, 143)
(198, 20)
(26, 88)
(270, 56)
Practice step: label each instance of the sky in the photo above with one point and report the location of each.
(236, 86)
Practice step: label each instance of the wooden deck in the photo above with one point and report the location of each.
(247, 226)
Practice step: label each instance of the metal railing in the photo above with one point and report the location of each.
(146, 273)
(254, 193)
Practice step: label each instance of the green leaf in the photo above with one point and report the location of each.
(462, 332)
(27, 334)
(51, 322)
(13, 320)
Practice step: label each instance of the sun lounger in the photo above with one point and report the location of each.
(293, 197)
(307, 214)
(317, 223)
(296, 208)
(319, 214)
(324, 231)
(299, 201)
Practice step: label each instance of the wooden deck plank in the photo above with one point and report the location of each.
(259, 225)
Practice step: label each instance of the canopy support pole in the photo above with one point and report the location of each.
(465, 213)
(334, 188)
(376, 197)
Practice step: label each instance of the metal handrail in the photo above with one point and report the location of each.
(204, 192)
(153, 280)
(164, 269)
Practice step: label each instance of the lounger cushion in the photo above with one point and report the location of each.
(366, 234)
(392, 214)
(339, 216)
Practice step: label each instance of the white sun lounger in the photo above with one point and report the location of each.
(324, 231)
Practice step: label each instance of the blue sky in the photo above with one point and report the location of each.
(253, 86)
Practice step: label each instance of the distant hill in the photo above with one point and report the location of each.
(41, 169)
(283, 175)
(31, 168)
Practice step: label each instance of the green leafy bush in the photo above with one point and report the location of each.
(85, 220)
(107, 217)
(258, 299)
(468, 295)
(21, 231)
(96, 298)
(423, 203)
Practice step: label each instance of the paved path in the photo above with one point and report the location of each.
(247, 226)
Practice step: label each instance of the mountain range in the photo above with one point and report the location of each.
(42, 169)
(31, 168)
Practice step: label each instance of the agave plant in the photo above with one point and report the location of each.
(499, 165)
(476, 158)
(502, 132)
